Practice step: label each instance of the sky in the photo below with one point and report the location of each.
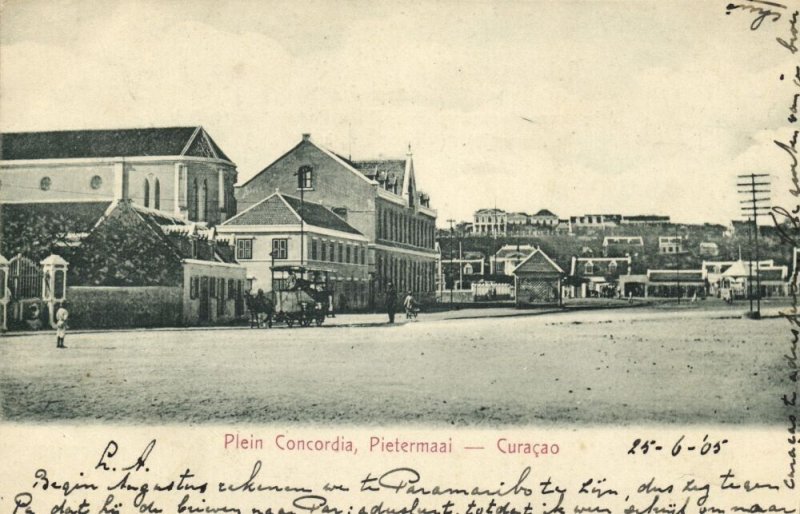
(631, 107)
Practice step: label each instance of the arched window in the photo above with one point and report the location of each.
(193, 194)
(146, 192)
(202, 198)
(157, 195)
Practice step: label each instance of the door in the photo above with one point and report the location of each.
(205, 300)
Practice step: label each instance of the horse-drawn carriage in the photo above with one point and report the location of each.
(300, 296)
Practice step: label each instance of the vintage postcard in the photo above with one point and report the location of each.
(412, 257)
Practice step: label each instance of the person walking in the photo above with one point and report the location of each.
(391, 301)
(410, 306)
(61, 326)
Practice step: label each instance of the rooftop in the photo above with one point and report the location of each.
(109, 143)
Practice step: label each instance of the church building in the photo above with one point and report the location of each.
(180, 171)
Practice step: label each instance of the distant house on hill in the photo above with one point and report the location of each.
(508, 257)
(544, 217)
(597, 276)
(645, 219)
(619, 246)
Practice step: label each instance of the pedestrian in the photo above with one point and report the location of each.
(61, 326)
(410, 306)
(391, 301)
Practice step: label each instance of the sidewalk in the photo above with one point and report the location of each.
(719, 309)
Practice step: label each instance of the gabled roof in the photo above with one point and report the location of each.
(391, 170)
(546, 212)
(346, 163)
(137, 142)
(280, 209)
(538, 262)
(319, 215)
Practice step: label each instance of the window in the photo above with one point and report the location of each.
(146, 193)
(588, 268)
(347, 260)
(193, 198)
(280, 248)
(363, 256)
(212, 287)
(202, 198)
(305, 177)
(244, 248)
(612, 267)
(45, 183)
(324, 251)
(157, 195)
(231, 289)
(314, 250)
(96, 182)
(341, 253)
(194, 283)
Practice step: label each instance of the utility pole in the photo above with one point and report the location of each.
(678, 249)
(301, 182)
(755, 188)
(452, 243)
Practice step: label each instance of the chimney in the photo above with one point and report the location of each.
(306, 136)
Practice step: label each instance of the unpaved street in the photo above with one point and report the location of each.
(598, 367)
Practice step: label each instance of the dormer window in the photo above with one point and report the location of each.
(588, 268)
(612, 267)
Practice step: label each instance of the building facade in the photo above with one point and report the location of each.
(489, 222)
(597, 276)
(269, 234)
(508, 257)
(497, 222)
(180, 171)
(378, 198)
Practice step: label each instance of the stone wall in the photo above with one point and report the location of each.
(122, 307)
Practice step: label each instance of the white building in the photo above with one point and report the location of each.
(271, 233)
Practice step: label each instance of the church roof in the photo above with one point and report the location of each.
(109, 143)
(280, 209)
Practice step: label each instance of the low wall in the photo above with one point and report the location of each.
(119, 307)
